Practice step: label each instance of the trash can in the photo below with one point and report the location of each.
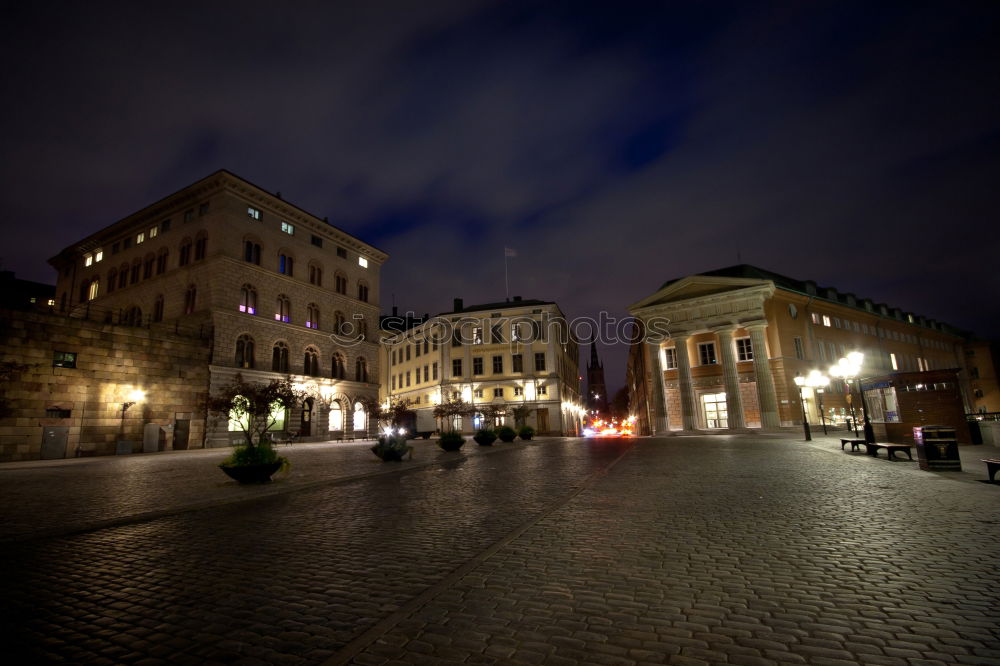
(937, 448)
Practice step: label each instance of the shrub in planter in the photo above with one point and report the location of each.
(485, 437)
(451, 441)
(526, 432)
(392, 448)
(254, 464)
(506, 434)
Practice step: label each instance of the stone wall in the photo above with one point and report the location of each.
(78, 410)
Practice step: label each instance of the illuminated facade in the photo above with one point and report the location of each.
(720, 350)
(516, 354)
(278, 291)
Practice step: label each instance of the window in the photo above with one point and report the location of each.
(362, 327)
(478, 393)
(361, 369)
(518, 391)
(200, 243)
(892, 360)
(188, 215)
(337, 367)
(161, 261)
(498, 393)
(316, 275)
(340, 283)
(185, 252)
(362, 262)
(496, 334)
(339, 323)
(456, 337)
(434, 372)
(477, 335)
(456, 367)
(57, 413)
(134, 273)
(427, 375)
(244, 351)
(706, 353)
(540, 362)
(147, 267)
(63, 359)
(286, 264)
(815, 318)
(203, 209)
(94, 289)
(836, 322)
(407, 348)
(88, 259)
(310, 362)
(158, 309)
(744, 352)
(543, 390)
(515, 333)
(127, 243)
(251, 252)
(279, 357)
(153, 232)
(516, 363)
(253, 213)
(826, 320)
(670, 358)
(140, 237)
(498, 365)
(342, 253)
(123, 276)
(288, 228)
(248, 299)
(316, 240)
(393, 382)
(312, 316)
(425, 346)
(363, 292)
(283, 310)
(477, 365)
(112, 279)
(407, 377)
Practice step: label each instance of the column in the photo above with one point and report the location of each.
(766, 396)
(730, 377)
(659, 424)
(685, 384)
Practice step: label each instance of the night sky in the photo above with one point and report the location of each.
(614, 146)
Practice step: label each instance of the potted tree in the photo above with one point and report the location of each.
(506, 433)
(391, 445)
(451, 440)
(526, 432)
(255, 406)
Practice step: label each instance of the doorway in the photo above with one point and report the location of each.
(714, 410)
(307, 409)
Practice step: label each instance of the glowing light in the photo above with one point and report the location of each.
(138, 395)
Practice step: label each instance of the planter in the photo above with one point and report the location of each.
(506, 434)
(252, 473)
(484, 441)
(450, 444)
(525, 436)
(389, 454)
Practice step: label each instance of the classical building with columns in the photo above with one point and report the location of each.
(720, 350)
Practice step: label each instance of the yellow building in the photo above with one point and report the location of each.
(721, 350)
(519, 353)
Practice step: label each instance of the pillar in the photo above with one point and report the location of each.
(730, 377)
(766, 396)
(685, 384)
(659, 424)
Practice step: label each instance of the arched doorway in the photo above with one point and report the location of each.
(305, 429)
(336, 417)
(360, 420)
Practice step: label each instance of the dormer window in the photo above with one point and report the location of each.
(362, 262)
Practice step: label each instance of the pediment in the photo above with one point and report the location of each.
(696, 287)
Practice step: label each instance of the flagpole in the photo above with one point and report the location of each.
(506, 283)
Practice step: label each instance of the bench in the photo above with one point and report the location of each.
(284, 438)
(890, 449)
(855, 443)
(992, 465)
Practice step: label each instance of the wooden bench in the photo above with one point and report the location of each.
(992, 465)
(286, 438)
(890, 449)
(855, 443)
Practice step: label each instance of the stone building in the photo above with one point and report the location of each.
(720, 350)
(281, 291)
(597, 389)
(67, 380)
(518, 353)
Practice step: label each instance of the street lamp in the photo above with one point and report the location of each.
(849, 368)
(800, 381)
(816, 380)
(135, 396)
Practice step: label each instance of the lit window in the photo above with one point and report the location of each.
(140, 237)
(288, 228)
(670, 359)
(98, 255)
(498, 393)
(88, 259)
(826, 321)
(543, 390)
(478, 393)
(477, 335)
(253, 213)
(362, 262)
(892, 359)
(518, 390)
(63, 359)
(153, 231)
(815, 318)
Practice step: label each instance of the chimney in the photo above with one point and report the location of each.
(395, 311)
(517, 299)
(458, 305)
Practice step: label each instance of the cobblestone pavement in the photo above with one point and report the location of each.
(687, 550)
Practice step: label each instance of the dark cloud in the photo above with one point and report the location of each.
(614, 145)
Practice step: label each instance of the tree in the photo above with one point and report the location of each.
(447, 411)
(521, 413)
(253, 405)
(490, 414)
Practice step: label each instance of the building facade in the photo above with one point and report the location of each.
(597, 389)
(519, 353)
(721, 350)
(280, 291)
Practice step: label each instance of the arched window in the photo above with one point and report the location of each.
(147, 266)
(340, 283)
(337, 367)
(336, 416)
(286, 264)
(312, 316)
(244, 351)
(189, 299)
(112, 279)
(279, 357)
(248, 299)
(362, 292)
(315, 275)
(310, 364)
(251, 252)
(200, 245)
(132, 316)
(283, 311)
(94, 289)
(338, 322)
(361, 369)
(123, 276)
(185, 252)
(161, 260)
(134, 272)
(360, 419)
(158, 309)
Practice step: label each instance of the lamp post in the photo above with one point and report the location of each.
(849, 368)
(134, 397)
(800, 382)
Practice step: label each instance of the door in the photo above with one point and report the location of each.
(542, 416)
(182, 430)
(307, 410)
(54, 442)
(714, 410)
